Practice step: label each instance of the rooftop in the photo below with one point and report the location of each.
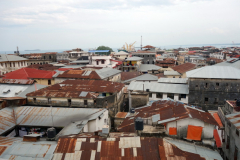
(183, 68)
(75, 88)
(148, 67)
(144, 77)
(130, 148)
(234, 119)
(134, 59)
(171, 73)
(215, 72)
(169, 111)
(233, 62)
(10, 58)
(128, 75)
(88, 73)
(173, 80)
(28, 73)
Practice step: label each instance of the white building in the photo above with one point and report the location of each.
(176, 89)
(102, 61)
(219, 55)
(9, 63)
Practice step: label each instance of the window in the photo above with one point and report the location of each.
(69, 102)
(226, 84)
(237, 132)
(217, 84)
(236, 153)
(102, 61)
(10, 64)
(97, 62)
(13, 64)
(49, 82)
(150, 95)
(206, 85)
(49, 101)
(215, 101)
(182, 96)
(50, 57)
(173, 76)
(196, 85)
(95, 102)
(228, 142)
(85, 102)
(159, 95)
(44, 57)
(170, 95)
(34, 100)
(223, 136)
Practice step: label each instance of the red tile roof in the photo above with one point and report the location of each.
(47, 67)
(80, 74)
(28, 73)
(148, 46)
(183, 68)
(121, 115)
(217, 138)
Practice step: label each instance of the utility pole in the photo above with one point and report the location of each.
(141, 43)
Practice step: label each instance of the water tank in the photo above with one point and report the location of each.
(51, 132)
(238, 102)
(132, 110)
(139, 124)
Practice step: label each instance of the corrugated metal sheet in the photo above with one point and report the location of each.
(173, 80)
(171, 73)
(41, 150)
(144, 77)
(183, 68)
(73, 88)
(190, 147)
(134, 59)
(236, 63)
(41, 116)
(10, 58)
(125, 148)
(159, 87)
(7, 141)
(128, 75)
(216, 72)
(121, 114)
(148, 67)
(234, 119)
(17, 81)
(107, 72)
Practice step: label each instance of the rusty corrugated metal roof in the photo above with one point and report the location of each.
(73, 88)
(169, 111)
(121, 115)
(127, 148)
(183, 68)
(7, 141)
(17, 81)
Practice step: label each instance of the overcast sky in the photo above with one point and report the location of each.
(67, 24)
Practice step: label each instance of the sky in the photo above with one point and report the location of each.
(68, 24)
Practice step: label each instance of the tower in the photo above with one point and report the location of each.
(16, 52)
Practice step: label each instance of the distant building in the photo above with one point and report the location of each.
(63, 55)
(132, 64)
(40, 58)
(9, 63)
(149, 57)
(89, 73)
(121, 55)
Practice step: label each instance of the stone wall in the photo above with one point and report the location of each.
(211, 93)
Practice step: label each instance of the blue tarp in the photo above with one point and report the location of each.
(103, 51)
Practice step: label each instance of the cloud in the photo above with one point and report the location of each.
(96, 22)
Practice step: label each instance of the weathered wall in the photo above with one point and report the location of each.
(45, 81)
(139, 100)
(198, 91)
(234, 142)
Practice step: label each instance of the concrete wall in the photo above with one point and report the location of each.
(139, 100)
(182, 126)
(148, 58)
(198, 91)
(45, 81)
(6, 67)
(234, 142)
(176, 97)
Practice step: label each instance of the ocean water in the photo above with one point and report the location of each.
(116, 49)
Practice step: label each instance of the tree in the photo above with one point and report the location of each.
(104, 48)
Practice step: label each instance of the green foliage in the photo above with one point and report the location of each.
(104, 48)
